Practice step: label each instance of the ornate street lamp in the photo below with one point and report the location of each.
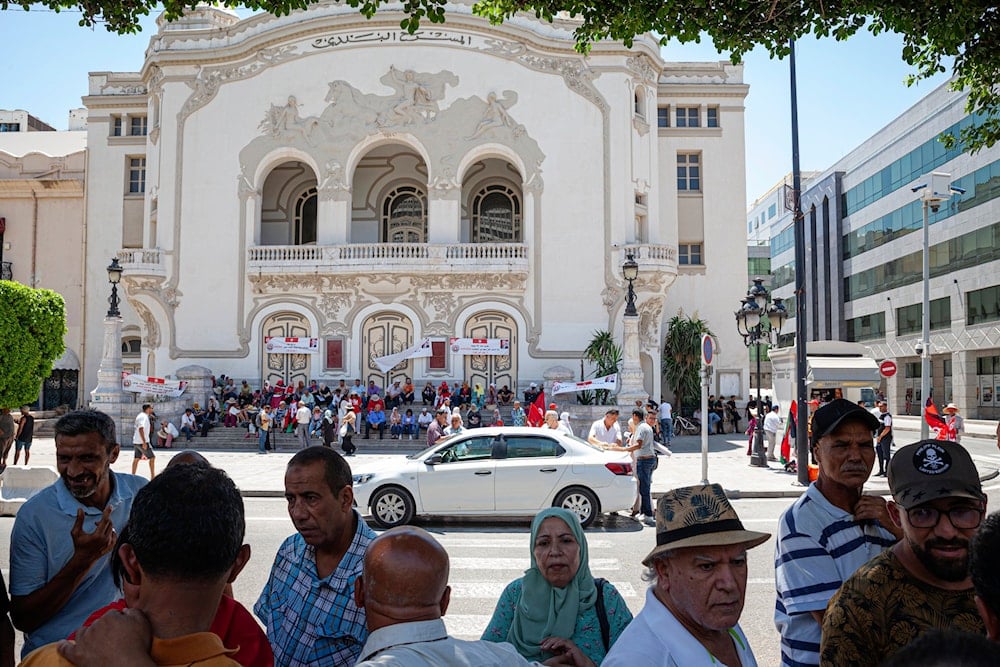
(630, 269)
(750, 325)
(114, 277)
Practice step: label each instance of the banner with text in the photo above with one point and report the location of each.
(480, 345)
(389, 361)
(143, 384)
(291, 345)
(607, 382)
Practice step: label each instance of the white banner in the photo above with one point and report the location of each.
(496, 346)
(291, 345)
(143, 384)
(389, 361)
(606, 382)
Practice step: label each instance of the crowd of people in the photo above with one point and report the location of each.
(139, 573)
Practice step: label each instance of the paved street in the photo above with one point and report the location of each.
(486, 555)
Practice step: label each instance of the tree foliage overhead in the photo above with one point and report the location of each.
(682, 357)
(32, 324)
(933, 32)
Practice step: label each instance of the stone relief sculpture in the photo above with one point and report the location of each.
(352, 116)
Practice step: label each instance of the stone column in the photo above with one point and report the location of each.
(964, 382)
(632, 389)
(444, 213)
(333, 215)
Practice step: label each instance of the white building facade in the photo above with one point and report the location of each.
(319, 175)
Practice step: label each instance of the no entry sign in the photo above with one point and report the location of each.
(887, 368)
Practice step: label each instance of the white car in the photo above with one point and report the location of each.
(506, 471)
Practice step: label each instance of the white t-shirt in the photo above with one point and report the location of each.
(772, 422)
(187, 420)
(611, 435)
(141, 422)
(666, 411)
(171, 429)
(303, 415)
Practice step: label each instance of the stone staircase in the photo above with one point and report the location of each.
(221, 438)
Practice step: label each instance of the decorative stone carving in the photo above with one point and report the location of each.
(353, 117)
(172, 296)
(210, 78)
(610, 296)
(152, 338)
(650, 312)
(642, 69)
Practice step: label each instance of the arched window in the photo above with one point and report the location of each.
(496, 215)
(131, 353)
(639, 101)
(305, 218)
(404, 216)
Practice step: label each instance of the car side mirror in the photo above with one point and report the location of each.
(434, 459)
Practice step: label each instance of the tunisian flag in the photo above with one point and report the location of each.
(536, 413)
(935, 420)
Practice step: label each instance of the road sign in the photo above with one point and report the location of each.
(707, 349)
(887, 368)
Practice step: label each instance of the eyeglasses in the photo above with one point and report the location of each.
(964, 518)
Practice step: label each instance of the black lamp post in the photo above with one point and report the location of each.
(114, 277)
(750, 325)
(630, 269)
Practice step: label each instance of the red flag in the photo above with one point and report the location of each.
(536, 413)
(786, 440)
(935, 420)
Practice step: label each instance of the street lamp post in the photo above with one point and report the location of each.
(750, 325)
(631, 388)
(934, 189)
(109, 373)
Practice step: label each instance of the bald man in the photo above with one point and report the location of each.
(404, 591)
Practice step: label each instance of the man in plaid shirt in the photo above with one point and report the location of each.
(307, 604)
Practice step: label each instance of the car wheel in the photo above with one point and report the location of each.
(581, 502)
(391, 507)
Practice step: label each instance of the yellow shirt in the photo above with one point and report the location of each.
(201, 649)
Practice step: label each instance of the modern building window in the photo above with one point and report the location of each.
(136, 175)
(689, 172)
(404, 216)
(712, 117)
(783, 275)
(663, 117)
(496, 215)
(137, 126)
(983, 305)
(116, 126)
(10, 127)
(687, 117)
(909, 319)
(759, 266)
(689, 254)
(772, 211)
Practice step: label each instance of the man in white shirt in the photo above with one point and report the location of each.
(302, 417)
(606, 433)
(424, 419)
(189, 425)
(142, 440)
(165, 436)
(772, 424)
(699, 578)
(666, 422)
(404, 591)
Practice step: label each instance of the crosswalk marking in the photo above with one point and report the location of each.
(514, 542)
(491, 590)
(521, 564)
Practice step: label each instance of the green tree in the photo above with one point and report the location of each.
(682, 357)
(606, 355)
(962, 35)
(32, 325)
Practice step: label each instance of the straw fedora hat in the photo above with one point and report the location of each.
(699, 516)
(950, 407)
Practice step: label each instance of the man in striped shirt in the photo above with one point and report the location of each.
(830, 531)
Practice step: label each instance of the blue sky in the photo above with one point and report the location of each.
(847, 91)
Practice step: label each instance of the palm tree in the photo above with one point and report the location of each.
(606, 355)
(682, 357)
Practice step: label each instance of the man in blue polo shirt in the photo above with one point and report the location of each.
(830, 531)
(62, 536)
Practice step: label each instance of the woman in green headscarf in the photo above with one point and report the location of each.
(557, 596)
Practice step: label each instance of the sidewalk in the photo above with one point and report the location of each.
(728, 465)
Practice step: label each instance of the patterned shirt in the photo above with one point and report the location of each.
(818, 546)
(313, 621)
(518, 417)
(883, 607)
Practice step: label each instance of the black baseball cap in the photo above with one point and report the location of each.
(932, 469)
(828, 417)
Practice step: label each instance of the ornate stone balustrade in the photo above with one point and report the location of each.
(142, 262)
(393, 257)
(652, 256)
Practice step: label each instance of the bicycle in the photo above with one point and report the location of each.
(684, 426)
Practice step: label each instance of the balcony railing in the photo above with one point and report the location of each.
(652, 256)
(408, 257)
(142, 261)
